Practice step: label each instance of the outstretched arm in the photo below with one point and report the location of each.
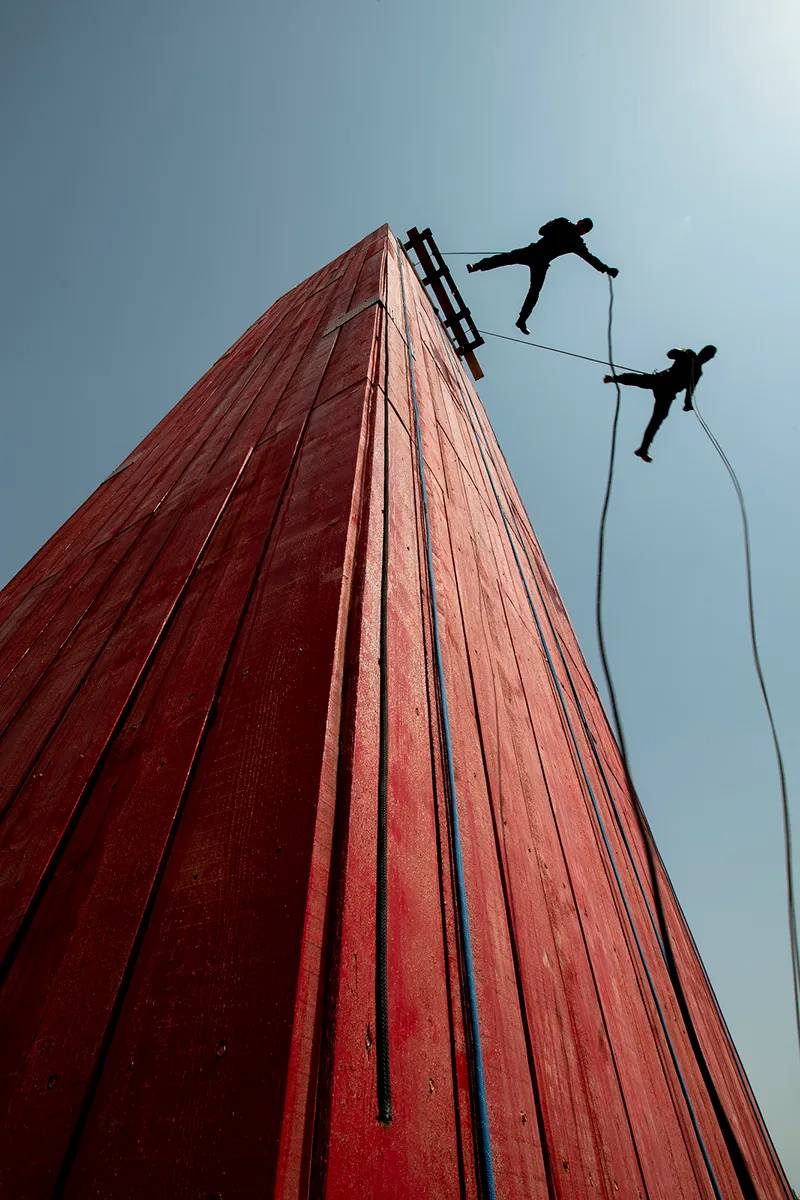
(585, 253)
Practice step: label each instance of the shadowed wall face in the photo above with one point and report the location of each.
(191, 699)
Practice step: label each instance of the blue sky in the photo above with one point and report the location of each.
(173, 168)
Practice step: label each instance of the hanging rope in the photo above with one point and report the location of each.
(734, 1150)
(483, 1135)
(553, 349)
(787, 821)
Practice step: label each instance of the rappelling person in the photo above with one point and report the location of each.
(683, 375)
(558, 237)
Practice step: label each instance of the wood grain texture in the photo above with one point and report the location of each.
(189, 725)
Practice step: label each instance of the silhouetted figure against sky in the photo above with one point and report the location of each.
(684, 373)
(557, 237)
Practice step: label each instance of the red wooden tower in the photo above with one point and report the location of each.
(318, 873)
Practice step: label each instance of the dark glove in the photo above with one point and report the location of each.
(612, 271)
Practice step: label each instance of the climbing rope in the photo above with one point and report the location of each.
(384, 1082)
(485, 1162)
(553, 349)
(787, 821)
(731, 1142)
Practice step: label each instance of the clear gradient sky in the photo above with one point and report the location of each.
(171, 168)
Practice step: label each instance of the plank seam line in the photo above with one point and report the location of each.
(134, 691)
(352, 313)
(37, 683)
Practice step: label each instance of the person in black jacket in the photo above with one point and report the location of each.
(558, 237)
(683, 375)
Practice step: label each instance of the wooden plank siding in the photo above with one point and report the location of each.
(189, 762)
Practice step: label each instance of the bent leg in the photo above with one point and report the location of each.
(660, 411)
(537, 279)
(513, 258)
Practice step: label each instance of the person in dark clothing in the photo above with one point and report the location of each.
(683, 375)
(557, 237)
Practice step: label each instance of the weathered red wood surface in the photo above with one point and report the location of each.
(189, 705)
